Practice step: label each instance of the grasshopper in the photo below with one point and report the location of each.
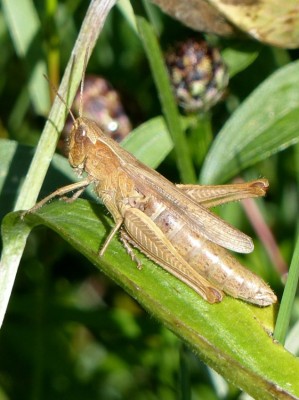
(171, 224)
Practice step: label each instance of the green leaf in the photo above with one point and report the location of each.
(289, 294)
(266, 122)
(237, 57)
(233, 337)
(127, 11)
(150, 142)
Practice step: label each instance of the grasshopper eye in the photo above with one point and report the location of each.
(80, 134)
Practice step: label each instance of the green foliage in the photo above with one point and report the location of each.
(72, 332)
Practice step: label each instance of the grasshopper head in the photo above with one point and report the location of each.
(81, 138)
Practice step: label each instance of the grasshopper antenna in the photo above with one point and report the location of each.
(61, 98)
(82, 82)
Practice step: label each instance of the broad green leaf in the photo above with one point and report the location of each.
(233, 337)
(265, 123)
(150, 142)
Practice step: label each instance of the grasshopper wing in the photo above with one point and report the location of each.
(146, 236)
(215, 195)
(201, 219)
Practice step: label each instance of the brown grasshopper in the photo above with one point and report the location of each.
(171, 224)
